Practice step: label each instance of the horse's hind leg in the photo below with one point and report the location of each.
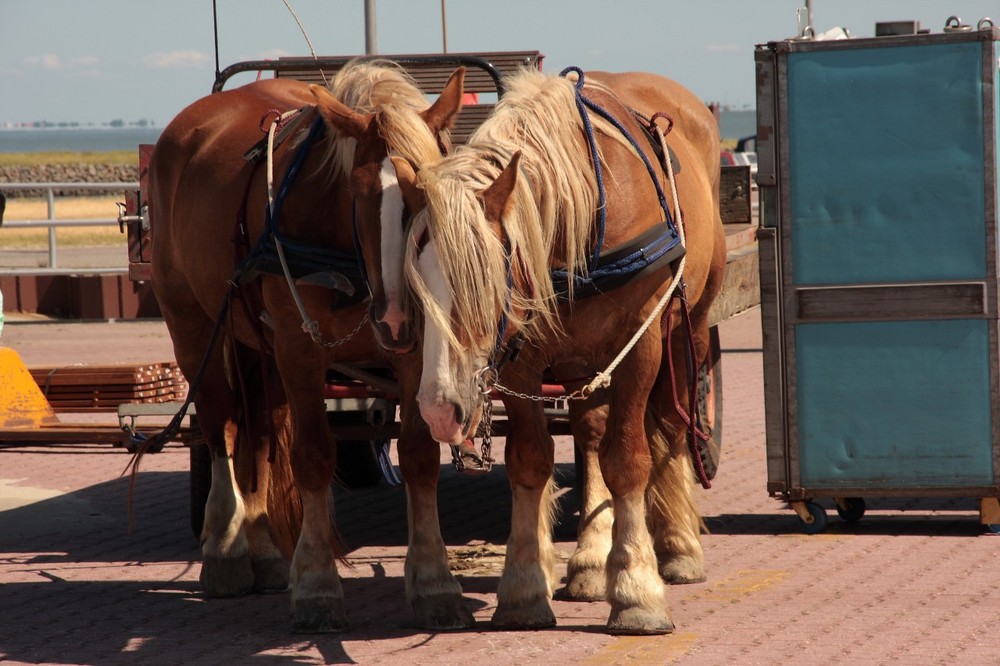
(226, 568)
(674, 519)
(431, 590)
(586, 575)
(267, 487)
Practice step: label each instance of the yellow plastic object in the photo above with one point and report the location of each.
(22, 404)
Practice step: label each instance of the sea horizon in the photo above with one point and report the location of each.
(733, 124)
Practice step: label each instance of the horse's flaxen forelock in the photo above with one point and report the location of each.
(547, 223)
(383, 87)
(468, 271)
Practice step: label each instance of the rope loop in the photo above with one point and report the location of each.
(271, 117)
(657, 116)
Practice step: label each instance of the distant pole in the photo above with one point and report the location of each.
(215, 27)
(371, 41)
(444, 29)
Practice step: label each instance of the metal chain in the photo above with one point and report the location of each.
(579, 394)
(486, 426)
(335, 343)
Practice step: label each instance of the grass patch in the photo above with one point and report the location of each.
(75, 208)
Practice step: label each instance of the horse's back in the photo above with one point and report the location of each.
(694, 138)
(199, 179)
(651, 94)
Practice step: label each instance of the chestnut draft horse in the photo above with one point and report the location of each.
(560, 197)
(274, 275)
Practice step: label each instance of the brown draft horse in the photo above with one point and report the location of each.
(521, 199)
(265, 381)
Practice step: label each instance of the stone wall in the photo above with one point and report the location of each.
(66, 173)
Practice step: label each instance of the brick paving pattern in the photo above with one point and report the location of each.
(83, 582)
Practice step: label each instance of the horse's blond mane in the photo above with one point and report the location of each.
(384, 88)
(548, 221)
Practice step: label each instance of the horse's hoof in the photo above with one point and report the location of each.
(639, 622)
(537, 615)
(270, 575)
(585, 585)
(442, 612)
(226, 576)
(319, 615)
(682, 570)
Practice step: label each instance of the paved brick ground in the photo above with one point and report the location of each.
(914, 582)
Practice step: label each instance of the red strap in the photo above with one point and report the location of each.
(692, 427)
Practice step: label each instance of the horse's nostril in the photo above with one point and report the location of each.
(459, 414)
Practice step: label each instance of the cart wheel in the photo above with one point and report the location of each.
(710, 404)
(201, 483)
(851, 509)
(358, 464)
(818, 523)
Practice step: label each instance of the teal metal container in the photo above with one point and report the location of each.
(877, 168)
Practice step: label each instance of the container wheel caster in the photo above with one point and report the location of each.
(994, 527)
(851, 509)
(812, 516)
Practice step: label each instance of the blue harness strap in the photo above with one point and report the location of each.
(338, 270)
(656, 247)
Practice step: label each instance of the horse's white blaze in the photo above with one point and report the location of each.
(391, 219)
(436, 387)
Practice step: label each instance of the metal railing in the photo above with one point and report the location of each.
(50, 197)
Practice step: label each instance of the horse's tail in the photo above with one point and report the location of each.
(262, 458)
(284, 505)
(671, 510)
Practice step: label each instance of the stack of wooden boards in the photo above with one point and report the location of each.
(102, 388)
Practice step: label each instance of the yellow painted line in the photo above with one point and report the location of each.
(639, 650)
(643, 650)
(743, 584)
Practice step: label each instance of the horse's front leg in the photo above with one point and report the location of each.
(586, 573)
(635, 591)
(317, 594)
(525, 590)
(433, 593)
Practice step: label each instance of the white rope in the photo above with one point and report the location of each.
(309, 325)
(603, 379)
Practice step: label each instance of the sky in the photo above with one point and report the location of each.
(93, 61)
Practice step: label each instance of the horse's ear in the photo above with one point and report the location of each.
(338, 115)
(497, 195)
(406, 175)
(441, 114)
